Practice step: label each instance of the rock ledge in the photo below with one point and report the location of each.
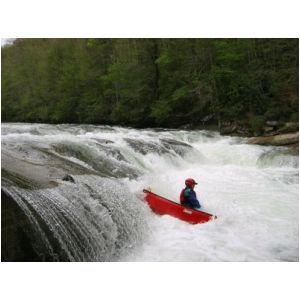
(276, 140)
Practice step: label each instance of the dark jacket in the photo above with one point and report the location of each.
(188, 198)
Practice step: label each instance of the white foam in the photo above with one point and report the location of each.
(256, 203)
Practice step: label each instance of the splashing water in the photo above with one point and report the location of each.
(102, 217)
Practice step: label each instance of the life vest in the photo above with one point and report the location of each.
(182, 198)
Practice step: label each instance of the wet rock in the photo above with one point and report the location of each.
(276, 140)
(144, 147)
(177, 146)
(232, 128)
(235, 130)
(20, 238)
(278, 157)
(68, 178)
(32, 173)
(115, 153)
(99, 158)
(16, 244)
(165, 146)
(293, 149)
(225, 130)
(172, 142)
(10, 178)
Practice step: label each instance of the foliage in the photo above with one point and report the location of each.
(150, 82)
(257, 123)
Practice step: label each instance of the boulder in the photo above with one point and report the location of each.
(276, 140)
(272, 123)
(227, 127)
(268, 129)
(289, 127)
(294, 125)
(235, 129)
(68, 178)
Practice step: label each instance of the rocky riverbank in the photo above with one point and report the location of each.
(272, 133)
(288, 139)
(267, 128)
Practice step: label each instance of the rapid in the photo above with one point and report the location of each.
(80, 189)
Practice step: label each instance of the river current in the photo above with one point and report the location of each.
(97, 213)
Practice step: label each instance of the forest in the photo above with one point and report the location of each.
(150, 82)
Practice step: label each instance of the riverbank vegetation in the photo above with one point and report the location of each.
(151, 82)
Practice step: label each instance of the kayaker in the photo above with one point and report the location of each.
(188, 196)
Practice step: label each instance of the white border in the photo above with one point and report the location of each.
(149, 18)
(155, 18)
(150, 281)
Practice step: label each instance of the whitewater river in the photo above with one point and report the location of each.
(98, 212)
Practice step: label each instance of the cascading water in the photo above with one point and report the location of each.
(97, 213)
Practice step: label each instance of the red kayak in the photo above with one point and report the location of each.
(164, 206)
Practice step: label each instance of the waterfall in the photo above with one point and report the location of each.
(74, 193)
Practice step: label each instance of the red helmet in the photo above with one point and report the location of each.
(190, 181)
